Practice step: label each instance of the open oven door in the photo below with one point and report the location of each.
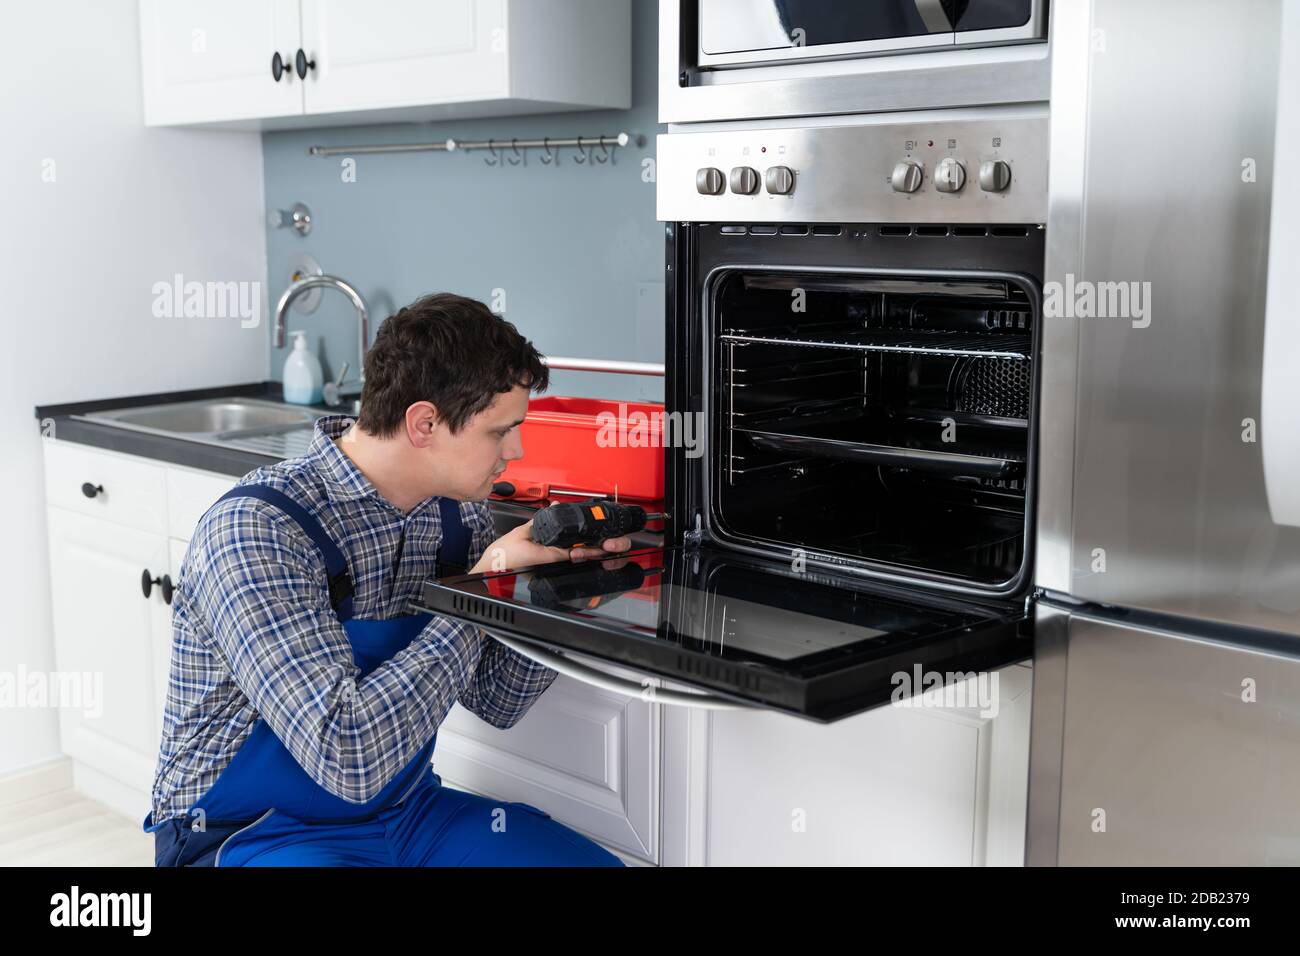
(741, 631)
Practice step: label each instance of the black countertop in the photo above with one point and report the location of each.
(57, 422)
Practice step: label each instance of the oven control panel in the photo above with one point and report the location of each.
(946, 171)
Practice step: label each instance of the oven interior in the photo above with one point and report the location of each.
(882, 419)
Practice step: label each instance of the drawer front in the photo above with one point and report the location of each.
(189, 495)
(126, 490)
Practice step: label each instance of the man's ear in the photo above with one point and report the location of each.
(422, 424)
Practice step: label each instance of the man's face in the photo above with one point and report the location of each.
(470, 460)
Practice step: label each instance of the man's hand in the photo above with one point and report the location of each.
(517, 549)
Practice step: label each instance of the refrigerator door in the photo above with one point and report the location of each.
(1152, 488)
(751, 631)
(1152, 748)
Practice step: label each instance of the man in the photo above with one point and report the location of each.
(304, 698)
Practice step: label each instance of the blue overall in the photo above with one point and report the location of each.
(265, 810)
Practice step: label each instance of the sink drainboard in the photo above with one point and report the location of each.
(289, 444)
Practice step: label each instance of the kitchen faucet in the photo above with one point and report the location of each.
(338, 390)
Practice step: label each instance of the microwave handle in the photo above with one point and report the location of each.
(1279, 412)
(618, 685)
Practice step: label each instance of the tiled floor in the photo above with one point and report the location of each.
(64, 828)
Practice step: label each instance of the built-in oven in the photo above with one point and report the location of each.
(762, 59)
(854, 319)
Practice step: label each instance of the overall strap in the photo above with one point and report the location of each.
(454, 546)
(336, 566)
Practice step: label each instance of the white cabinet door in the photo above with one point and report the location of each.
(190, 494)
(210, 60)
(403, 53)
(105, 638)
(588, 757)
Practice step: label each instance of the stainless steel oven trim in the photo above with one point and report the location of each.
(1067, 153)
(867, 569)
(842, 167)
(964, 74)
(648, 691)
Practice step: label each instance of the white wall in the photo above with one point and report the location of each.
(79, 256)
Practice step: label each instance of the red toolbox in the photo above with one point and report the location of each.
(591, 446)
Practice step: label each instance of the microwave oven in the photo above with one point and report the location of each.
(764, 59)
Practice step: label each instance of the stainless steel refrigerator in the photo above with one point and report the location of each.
(1166, 714)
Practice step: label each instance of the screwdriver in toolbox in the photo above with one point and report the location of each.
(588, 522)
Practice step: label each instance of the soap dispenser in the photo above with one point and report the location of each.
(302, 378)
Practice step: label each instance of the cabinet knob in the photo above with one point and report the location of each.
(303, 64)
(164, 582)
(278, 67)
(90, 490)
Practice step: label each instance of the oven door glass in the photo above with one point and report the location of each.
(821, 646)
(748, 31)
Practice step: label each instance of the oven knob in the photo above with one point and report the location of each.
(907, 177)
(995, 176)
(744, 179)
(949, 176)
(779, 180)
(709, 181)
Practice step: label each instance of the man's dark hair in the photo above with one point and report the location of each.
(447, 350)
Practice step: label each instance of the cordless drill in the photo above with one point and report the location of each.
(588, 522)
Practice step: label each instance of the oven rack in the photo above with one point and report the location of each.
(759, 372)
(890, 446)
(1002, 345)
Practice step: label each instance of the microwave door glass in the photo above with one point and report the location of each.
(992, 14)
(737, 26)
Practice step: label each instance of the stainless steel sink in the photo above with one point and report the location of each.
(271, 428)
(211, 417)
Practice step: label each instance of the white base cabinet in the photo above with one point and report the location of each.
(657, 784)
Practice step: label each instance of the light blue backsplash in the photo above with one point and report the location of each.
(575, 248)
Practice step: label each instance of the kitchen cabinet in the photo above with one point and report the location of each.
(348, 61)
(206, 60)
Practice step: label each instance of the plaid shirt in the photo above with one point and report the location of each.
(254, 635)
